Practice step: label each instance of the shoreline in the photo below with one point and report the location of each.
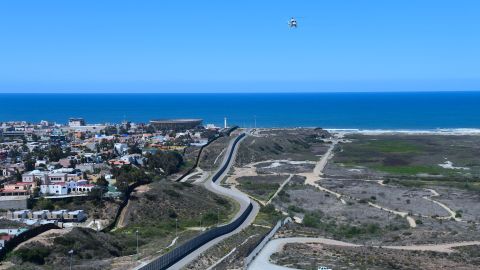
(349, 131)
(439, 131)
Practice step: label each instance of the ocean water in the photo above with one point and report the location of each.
(423, 110)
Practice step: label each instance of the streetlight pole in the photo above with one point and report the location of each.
(70, 252)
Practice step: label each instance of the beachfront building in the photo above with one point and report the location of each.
(76, 122)
(176, 124)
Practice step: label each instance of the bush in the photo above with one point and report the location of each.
(221, 201)
(312, 220)
(44, 204)
(172, 193)
(294, 208)
(34, 255)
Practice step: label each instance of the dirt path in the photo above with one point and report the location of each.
(448, 209)
(262, 261)
(219, 155)
(279, 189)
(313, 178)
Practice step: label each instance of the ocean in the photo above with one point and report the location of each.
(411, 111)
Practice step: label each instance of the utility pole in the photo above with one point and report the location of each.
(136, 232)
(176, 226)
(70, 252)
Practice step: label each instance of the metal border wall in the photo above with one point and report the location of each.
(183, 250)
(264, 241)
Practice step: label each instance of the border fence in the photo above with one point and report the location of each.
(264, 241)
(24, 236)
(197, 160)
(186, 248)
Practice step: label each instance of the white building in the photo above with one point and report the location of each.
(32, 176)
(59, 188)
(77, 215)
(121, 148)
(76, 122)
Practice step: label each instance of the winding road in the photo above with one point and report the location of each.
(234, 194)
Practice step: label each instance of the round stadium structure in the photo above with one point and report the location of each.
(176, 124)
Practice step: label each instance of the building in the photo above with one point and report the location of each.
(20, 214)
(59, 188)
(33, 176)
(57, 177)
(16, 189)
(176, 124)
(77, 215)
(42, 214)
(15, 231)
(76, 122)
(58, 214)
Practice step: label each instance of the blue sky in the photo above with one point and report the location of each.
(239, 45)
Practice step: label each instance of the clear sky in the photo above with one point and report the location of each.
(239, 45)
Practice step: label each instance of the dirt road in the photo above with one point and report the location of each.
(262, 261)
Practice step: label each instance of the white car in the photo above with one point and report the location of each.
(324, 268)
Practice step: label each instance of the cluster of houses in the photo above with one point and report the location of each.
(46, 216)
(35, 218)
(56, 182)
(8, 234)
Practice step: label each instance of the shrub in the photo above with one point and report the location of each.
(295, 208)
(33, 254)
(172, 193)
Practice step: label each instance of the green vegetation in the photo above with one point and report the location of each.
(413, 155)
(127, 175)
(389, 146)
(261, 187)
(317, 220)
(34, 254)
(268, 216)
(164, 162)
(413, 170)
(262, 191)
(156, 212)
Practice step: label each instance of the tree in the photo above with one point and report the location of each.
(55, 153)
(167, 161)
(29, 163)
(127, 175)
(134, 149)
(102, 182)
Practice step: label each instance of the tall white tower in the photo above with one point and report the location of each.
(225, 122)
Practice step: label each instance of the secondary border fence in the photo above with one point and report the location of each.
(124, 203)
(133, 186)
(264, 241)
(197, 160)
(186, 248)
(225, 166)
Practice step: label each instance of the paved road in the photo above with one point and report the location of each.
(242, 199)
(262, 261)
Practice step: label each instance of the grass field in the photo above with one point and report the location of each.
(413, 154)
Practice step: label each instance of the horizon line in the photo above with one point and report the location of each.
(243, 92)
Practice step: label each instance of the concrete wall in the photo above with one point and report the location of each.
(17, 202)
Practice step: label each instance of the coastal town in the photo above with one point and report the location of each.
(44, 164)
